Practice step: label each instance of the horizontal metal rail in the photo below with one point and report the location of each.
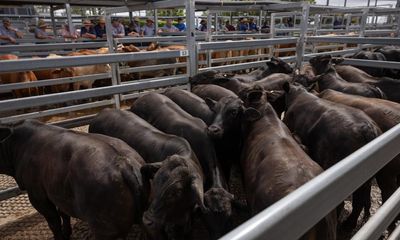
(245, 43)
(354, 40)
(21, 103)
(241, 66)
(46, 63)
(50, 46)
(55, 111)
(141, 93)
(378, 223)
(53, 82)
(9, 193)
(150, 39)
(152, 68)
(326, 191)
(372, 63)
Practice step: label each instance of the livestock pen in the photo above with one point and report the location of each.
(304, 40)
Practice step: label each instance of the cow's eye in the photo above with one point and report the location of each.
(234, 112)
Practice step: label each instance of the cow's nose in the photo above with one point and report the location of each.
(214, 130)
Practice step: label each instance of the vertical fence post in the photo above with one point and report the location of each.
(69, 17)
(209, 38)
(398, 19)
(363, 24)
(303, 34)
(53, 21)
(272, 32)
(156, 21)
(115, 78)
(190, 39)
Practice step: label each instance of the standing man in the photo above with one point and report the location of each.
(243, 25)
(100, 28)
(181, 26)
(8, 33)
(87, 31)
(168, 27)
(40, 31)
(67, 35)
(149, 29)
(118, 30)
(252, 25)
(134, 28)
(203, 25)
(229, 27)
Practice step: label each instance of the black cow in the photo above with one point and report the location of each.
(211, 91)
(65, 173)
(387, 115)
(368, 55)
(331, 132)
(329, 79)
(273, 164)
(391, 53)
(177, 176)
(164, 114)
(390, 87)
(191, 103)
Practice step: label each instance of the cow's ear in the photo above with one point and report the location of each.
(273, 96)
(149, 170)
(251, 114)
(286, 87)
(337, 60)
(211, 103)
(5, 132)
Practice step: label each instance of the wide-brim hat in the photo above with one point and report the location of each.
(42, 24)
(102, 20)
(150, 20)
(87, 23)
(136, 19)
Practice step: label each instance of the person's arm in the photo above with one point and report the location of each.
(18, 33)
(121, 33)
(39, 35)
(8, 38)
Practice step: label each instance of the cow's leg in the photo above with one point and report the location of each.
(361, 200)
(388, 185)
(66, 225)
(50, 213)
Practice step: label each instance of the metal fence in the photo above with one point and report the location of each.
(325, 191)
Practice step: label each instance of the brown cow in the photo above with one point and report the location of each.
(48, 74)
(19, 77)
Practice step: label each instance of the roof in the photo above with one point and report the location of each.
(97, 3)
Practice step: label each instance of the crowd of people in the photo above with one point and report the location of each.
(92, 31)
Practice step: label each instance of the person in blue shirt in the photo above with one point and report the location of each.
(87, 31)
(100, 28)
(243, 25)
(181, 26)
(252, 25)
(203, 26)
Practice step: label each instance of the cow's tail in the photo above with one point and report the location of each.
(133, 179)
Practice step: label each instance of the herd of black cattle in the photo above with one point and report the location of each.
(170, 156)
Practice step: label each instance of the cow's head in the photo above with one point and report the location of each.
(277, 65)
(176, 189)
(321, 64)
(253, 96)
(6, 166)
(218, 218)
(228, 112)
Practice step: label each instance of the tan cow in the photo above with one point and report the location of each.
(19, 77)
(55, 73)
(86, 70)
